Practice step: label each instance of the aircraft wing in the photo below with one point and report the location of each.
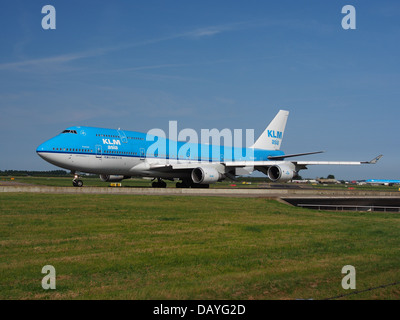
(241, 164)
(373, 161)
(299, 163)
(275, 170)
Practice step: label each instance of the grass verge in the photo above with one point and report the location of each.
(166, 247)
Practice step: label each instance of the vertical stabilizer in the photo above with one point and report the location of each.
(271, 138)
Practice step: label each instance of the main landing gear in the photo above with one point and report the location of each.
(190, 184)
(76, 182)
(159, 184)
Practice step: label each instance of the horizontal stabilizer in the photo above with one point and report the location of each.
(292, 155)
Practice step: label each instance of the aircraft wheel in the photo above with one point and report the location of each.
(200, 186)
(159, 184)
(79, 183)
(186, 184)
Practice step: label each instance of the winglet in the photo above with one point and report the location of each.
(374, 160)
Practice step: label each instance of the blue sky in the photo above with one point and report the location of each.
(220, 64)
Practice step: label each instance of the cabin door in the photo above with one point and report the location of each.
(122, 135)
(99, 151)
(142, 154)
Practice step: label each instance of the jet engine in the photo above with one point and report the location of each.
(282, 173)
(111, 178)
(206, 175)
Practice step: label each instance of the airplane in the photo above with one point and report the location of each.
(386, 182)
(116, 155)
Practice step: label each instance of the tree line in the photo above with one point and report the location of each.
(51, 173)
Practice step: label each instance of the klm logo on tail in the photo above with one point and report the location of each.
(276, 135)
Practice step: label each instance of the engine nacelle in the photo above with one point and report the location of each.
(111, 178)
(282, 173)
(205, 175)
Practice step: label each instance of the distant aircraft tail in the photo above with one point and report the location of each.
(271, 138)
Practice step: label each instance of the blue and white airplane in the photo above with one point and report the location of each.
(116, 155)
(382, 181)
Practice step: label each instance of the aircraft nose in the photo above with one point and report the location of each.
(40, 148)
(48, 152)
(43, 148)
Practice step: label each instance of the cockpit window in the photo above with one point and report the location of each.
(70, 131)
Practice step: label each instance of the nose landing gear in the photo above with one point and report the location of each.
(76, 182)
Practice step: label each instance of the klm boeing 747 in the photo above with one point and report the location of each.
(116, 155)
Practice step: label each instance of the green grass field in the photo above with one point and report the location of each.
(177, 247)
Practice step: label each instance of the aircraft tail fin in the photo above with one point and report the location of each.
(271, 138)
